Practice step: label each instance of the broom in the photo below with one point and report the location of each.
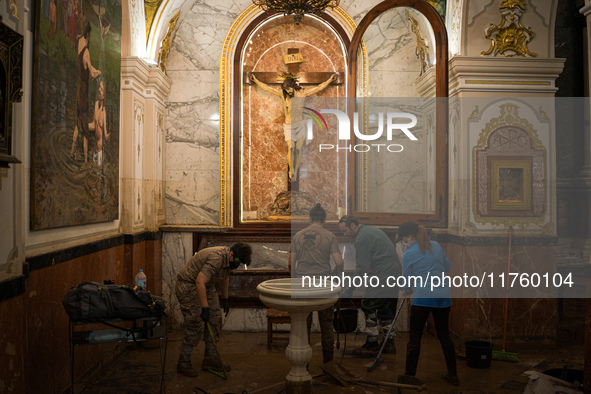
(503, 355)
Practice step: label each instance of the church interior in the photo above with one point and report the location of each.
(134, 134)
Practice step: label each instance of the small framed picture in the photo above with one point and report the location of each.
(511, 185)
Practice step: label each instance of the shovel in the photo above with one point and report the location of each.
(346, 378)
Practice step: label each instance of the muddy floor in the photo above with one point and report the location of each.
(257, 369)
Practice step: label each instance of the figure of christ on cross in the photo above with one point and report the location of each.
(294, 126)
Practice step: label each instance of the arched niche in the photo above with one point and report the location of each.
(427, 201)
(258, 144)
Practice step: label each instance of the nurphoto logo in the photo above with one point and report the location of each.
(402, 121)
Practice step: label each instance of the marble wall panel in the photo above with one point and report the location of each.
(192, 197)
(397, 181)
(198, 41)
(483, 317)
(323, 187)
(193, 156)
(393, 83)
(390, 43)
(263, 189)
(177, 249)
(196, 88)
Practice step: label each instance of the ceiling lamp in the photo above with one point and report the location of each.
(296, 7)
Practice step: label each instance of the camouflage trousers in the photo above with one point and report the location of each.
(186, 293)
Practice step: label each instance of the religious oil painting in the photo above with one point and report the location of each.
(75, 124)
(511, 185)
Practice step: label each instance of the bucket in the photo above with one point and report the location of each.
(348, 322)
(478, 354)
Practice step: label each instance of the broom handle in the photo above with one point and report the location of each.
(507, 290)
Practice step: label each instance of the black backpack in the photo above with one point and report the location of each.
(93, 302)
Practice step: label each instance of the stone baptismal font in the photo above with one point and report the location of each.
(288, 294)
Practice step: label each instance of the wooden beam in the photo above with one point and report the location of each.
(307, 78)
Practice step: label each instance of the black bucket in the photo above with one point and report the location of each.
(478, 354)
(348, 322)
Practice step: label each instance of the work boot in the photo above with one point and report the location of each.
(451, 379)
(327, 357)
(184, 366)
(390, 347)
(368, 350)
(211, 360)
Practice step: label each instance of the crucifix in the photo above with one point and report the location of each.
(294, 126)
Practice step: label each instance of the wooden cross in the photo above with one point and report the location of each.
(307, 78)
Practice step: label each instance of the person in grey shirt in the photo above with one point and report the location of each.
(311, 250)
(375, 255)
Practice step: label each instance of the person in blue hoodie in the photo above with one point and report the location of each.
(424, 259)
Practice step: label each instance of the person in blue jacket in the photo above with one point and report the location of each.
(424, 259)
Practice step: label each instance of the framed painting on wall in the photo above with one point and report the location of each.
(11, 81)
(75, 121)
(511, 185)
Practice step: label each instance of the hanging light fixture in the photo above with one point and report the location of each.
(296, 7)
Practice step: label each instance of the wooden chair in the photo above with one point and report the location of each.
(275, 316)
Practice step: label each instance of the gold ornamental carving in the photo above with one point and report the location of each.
(510, 37)
(509, 172)
(422, 50)
(150, 7)
(165, 47)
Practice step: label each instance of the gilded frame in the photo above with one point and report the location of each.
(520, 183)
(11, 82)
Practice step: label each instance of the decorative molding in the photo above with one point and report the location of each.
(147, 82)
(150, 9)
(422, 50)
(484, 82)
(137, 28)
(510, 37)
(453, 22)
(138, 146)
(509, 75)
(165, 47)
(226, 64)
(160, 143)
(509, 139)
